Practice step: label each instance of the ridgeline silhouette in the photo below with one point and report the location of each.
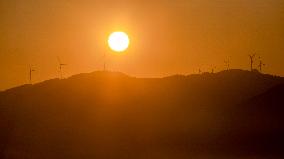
(109, 115)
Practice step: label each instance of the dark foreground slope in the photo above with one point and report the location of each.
(104, 115)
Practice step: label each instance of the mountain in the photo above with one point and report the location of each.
(230, 114)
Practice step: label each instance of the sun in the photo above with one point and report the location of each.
(118, 41)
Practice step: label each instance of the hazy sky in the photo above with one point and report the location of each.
(167, 36)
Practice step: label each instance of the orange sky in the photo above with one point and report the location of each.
(167, 37)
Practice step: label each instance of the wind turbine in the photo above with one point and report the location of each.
(199, 71)
(213, 69)
(251, 61)
(227, 64)
(260, 64)
(61, 65)
(31, 72)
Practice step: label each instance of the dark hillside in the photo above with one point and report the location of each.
(111, 115)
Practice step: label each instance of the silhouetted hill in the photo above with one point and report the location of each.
(230, 114)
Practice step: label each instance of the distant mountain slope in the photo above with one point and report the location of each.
(111, 115)
(266, 108)
(274, 97)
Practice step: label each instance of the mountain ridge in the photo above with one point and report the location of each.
(112, 115)
(96, 74)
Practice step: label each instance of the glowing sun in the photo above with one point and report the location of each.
(118, 41)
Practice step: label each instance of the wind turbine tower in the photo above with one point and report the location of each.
(31, 73)
(199, 71)
(251, 57)
(227, 64)
(261, 64)
(61, 65)
(213, 69)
